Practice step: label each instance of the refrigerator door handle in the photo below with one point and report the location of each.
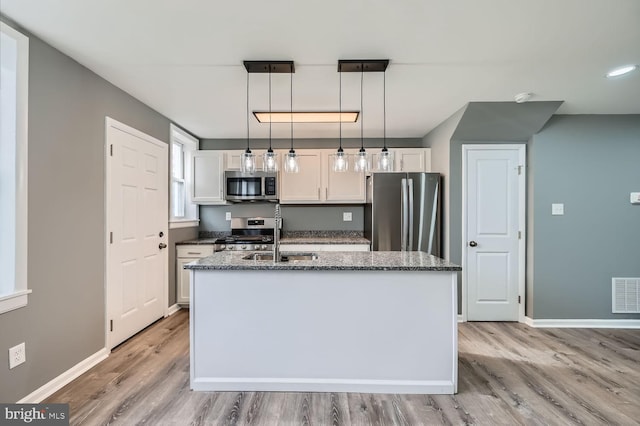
(404, 216)
(410, 215)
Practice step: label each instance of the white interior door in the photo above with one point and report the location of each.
(493, 258)
(137, 226)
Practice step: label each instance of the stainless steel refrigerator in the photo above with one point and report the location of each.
(402, 212)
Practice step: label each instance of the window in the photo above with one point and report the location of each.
(183, 212)
(14, 74)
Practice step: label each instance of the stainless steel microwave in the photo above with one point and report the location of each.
(257, 186)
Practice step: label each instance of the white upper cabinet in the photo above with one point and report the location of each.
(233, 159)
(208, 177)
(342, 187)
(304, 186)
(317, 183)
(412, 159)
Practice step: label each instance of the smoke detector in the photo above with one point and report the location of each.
(522, 97)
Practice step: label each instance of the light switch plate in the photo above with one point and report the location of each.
(347, 216)
(635, 198)
(227, 216)
(557, 209)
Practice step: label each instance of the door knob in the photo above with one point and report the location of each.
(162, 245)
(472, 244)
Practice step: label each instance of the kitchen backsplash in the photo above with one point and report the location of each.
(295, 218)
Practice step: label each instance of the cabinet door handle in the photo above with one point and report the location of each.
(318, 193)
(193, 252)
(326, 193)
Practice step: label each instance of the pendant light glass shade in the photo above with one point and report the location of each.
(340, 161)
(361, 161)
(291, 162)
(270, 161)
(385, 161)
(248, 163)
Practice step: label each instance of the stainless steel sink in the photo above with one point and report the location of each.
(284, 257)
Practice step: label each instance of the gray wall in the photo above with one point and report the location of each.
(64, 321)
(294, 218)
(591, 164)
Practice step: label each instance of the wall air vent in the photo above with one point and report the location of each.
(625, 295)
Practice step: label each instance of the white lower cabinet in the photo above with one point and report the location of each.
(323, 247)
(186, 254)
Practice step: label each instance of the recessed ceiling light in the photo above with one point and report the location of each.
(617, 72)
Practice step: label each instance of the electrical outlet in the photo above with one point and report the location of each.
(557, 209)
(227, 216)
(17, 355)
(347, 216)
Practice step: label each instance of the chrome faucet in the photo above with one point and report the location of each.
(276, 234)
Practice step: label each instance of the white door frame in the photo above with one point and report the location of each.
(522, 243)
(110, 122)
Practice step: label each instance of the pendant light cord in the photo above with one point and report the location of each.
(361, 112)
(291, 106)
(384, 110)
(340, 109)
(270, 116)
(248, 148)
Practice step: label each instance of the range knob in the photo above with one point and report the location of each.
(244, 247)
(230, 248)
(264, 247)
(222, 247)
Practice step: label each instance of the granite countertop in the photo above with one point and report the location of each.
(359, 261)
(325, 240)
(294, 237)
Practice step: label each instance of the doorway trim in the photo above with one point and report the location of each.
(110, 122)
(522, 211)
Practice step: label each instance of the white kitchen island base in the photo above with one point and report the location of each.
(392, 331)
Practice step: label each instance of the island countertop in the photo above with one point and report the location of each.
(362, 261)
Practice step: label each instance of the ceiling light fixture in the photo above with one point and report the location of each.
(270, 163)
(362, 162)
(340, 163)
(270, 158)
(248, 161)
(306, 116)
(620, 71)
(291, 164)
(385, 158)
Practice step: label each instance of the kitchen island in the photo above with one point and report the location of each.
(375, 322)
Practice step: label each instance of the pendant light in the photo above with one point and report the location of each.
(361, 160)
(248, 161)
(270, 158)
(340, 162)
(291, 161)
(385, 158)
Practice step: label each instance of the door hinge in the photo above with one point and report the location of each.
(111, 325)
(519, 300)
(519, 235)
(110, 237)
(519, 170)
(111, 150)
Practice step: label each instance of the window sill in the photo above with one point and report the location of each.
(12, 301)
(184, 223)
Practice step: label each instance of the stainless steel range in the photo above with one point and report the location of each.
(250, 234)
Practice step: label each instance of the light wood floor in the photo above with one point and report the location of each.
(508, 374)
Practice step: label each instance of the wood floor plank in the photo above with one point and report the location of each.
(509, 374)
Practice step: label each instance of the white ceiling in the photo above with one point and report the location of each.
(184, 58)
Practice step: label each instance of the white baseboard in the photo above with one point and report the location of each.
(173, 309)
(65, 378)
(461, 318)
(582, 323)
